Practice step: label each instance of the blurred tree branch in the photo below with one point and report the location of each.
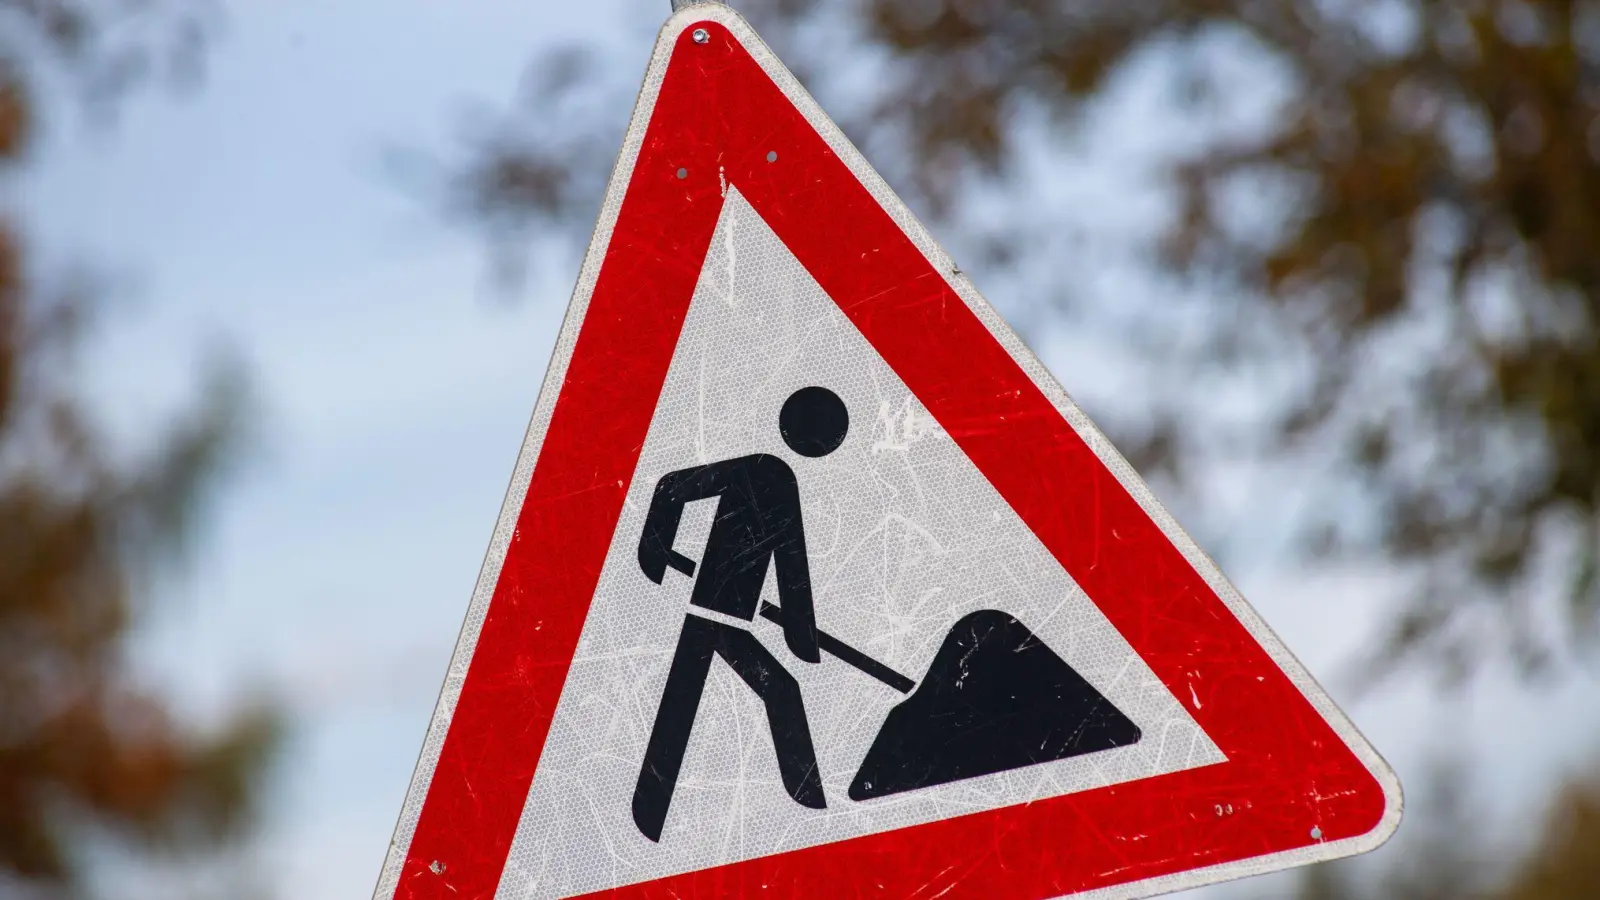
(1428, 273)
(1565, 863)
(83, 530)
(1452, 859)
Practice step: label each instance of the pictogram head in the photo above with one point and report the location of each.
(814, 421)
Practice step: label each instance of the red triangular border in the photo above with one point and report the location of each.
(1292, 780)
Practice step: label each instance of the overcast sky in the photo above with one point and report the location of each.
(395, 391)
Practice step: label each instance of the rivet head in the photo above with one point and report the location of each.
(772, 156)
(683, 173)
(701, 35)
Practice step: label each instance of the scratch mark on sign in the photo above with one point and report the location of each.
(731, 246)
(700, 414)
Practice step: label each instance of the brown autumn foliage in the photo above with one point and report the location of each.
(1565, 865)
(85, 751)
(1430, 268)
(1432, 168)
(1443, 164)
(1446, 857)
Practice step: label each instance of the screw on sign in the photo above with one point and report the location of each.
(811, 578)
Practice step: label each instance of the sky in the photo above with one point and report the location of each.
(394, 389)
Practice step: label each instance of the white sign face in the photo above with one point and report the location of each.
(904, 536)
(812, 581)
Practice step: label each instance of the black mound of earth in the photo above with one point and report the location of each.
(995, 698)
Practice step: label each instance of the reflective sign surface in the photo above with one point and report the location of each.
(812, 580)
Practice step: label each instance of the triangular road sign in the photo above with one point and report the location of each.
(811, 580)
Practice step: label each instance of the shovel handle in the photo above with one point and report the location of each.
(847, 654)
